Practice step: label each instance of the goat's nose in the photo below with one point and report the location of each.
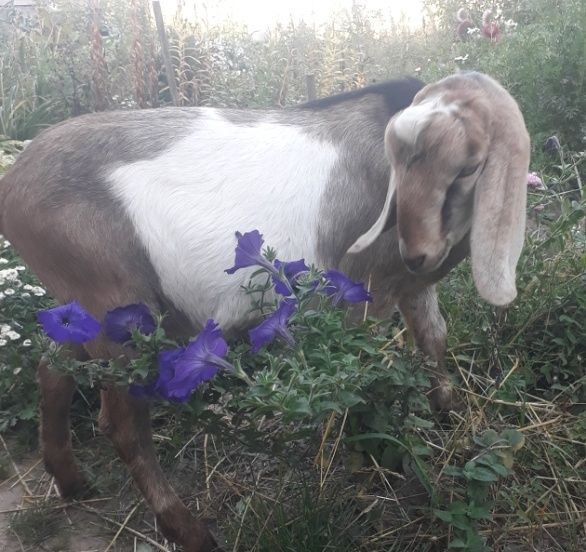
(414, 263)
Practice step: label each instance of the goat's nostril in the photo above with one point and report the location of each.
(415, 263)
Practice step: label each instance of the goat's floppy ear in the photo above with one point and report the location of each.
(386, 220)
(498, 223)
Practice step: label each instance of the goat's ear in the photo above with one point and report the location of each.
(386, 220)
(498, 223)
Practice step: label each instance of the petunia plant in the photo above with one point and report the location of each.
(298, 306)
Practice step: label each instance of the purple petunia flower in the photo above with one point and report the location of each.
(534, 181)
(122, 321)
(69, 323)
(292, 270)
(273, 326)
(341, 288)
(166, 372)
(181, 371)
(248, 253)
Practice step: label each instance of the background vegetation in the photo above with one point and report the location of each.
(374, 469)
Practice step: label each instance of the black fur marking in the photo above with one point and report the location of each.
(397, 94)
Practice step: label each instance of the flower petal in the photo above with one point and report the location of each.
(183, 370)
(69, 323)
(292, 270)
(275, 324)
(342, 288)
(248, 252)
(119, 323)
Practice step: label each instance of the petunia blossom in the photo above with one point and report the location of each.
(181, 371)
(159, 387)
(291, 270)
(273, 326)
(534, 181)
(69, 323)
(248, 253)
(119, 323)
(341, 288)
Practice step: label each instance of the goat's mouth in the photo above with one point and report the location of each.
(426, 263)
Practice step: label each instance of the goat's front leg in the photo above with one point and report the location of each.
(424, 320)
(126, 421)
(56, 394)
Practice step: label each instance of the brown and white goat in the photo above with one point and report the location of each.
(118, 208)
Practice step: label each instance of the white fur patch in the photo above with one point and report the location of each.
(411, 121)
(188, 202)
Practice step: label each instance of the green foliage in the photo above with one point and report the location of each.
(35, 526)
(542, 62)
(20, 298)
(492, 462)
(52, 67)
(542, 335)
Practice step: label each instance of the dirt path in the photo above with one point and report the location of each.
(33, 518)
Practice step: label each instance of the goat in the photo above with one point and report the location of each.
(395, 183)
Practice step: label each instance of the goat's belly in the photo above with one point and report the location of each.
(187, 203)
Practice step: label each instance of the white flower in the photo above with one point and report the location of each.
(20, 268)
(12, 335)
(1, 295)
(9, 291)
(28, 287)
(8, 275)
(38, 291)
(4, 328)
(27, 343)
(510, 25)
(26, 294)
(3, 260)
(3, 342)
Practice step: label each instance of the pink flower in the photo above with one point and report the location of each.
(534, 182)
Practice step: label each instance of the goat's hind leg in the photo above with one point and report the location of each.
(423, 318)
(56, 394)
(126, 421)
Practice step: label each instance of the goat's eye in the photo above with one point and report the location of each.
(467, 171)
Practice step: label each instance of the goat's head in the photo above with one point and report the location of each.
(459, 156)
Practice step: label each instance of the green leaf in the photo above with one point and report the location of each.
(349, 399)
(443, 515)
(480, 474)
(479, 512)
(457, 544)
(453, 471)
(515, 438)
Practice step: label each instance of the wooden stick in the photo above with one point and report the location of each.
(23, 475)
(15, 467)
(126, 528)
(123, 526)
(311, 88)
(166, 53)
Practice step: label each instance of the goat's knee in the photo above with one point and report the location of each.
(423, 318)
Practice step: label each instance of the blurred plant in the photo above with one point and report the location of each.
(493, 461)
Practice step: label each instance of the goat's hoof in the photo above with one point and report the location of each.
(75, 489)
(443, 398)
(203, 542)
(194, 535)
